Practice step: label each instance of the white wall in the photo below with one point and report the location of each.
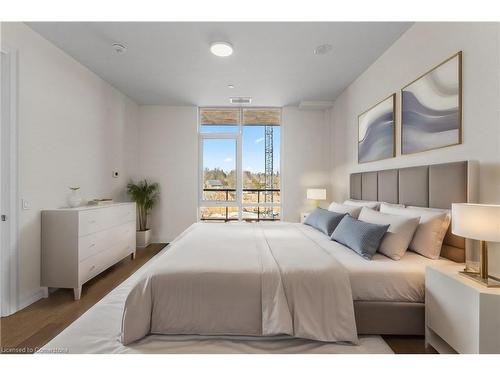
(169, 155)
(423, 46)
(74, 129)
(306, 158)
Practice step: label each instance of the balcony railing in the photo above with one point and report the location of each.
(259, 213)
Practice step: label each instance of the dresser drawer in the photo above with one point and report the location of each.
(90, 267)
(95, 264)
(97, 242)
(123, 214)
(92, 221)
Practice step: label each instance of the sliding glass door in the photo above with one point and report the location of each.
(239, 164)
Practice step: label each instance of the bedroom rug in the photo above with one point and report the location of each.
(98, 331)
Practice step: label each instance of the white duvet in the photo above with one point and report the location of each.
(248, 279)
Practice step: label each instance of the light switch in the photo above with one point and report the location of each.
(25, 204)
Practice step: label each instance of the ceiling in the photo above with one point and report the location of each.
(170, 63)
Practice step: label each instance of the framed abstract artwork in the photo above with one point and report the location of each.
(376, 131)
(431, 108)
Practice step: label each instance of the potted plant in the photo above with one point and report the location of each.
(145, 195)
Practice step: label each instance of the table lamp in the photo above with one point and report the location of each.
(316, 195)
(478, 222)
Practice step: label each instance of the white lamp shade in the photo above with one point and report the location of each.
(316, 194)
(476, 221)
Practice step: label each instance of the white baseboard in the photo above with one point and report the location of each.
(26, 301)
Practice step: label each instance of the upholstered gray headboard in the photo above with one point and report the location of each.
(436, 186)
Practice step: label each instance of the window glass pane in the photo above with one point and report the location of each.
(262, 116)
(261, 157)
(260, 213)
(256, 196)
(219, 169)
(219, 120)
(219, 213)
(269, 213)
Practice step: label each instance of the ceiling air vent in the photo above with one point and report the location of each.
(240, 100)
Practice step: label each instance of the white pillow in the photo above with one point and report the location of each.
(434, 223)
(385, 204)
(399, 235)
(370, 204)
(345, 209)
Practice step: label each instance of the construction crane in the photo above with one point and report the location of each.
(268, 170)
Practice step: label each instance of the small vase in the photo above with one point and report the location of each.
(74, 198)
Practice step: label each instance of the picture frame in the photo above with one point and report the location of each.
(377, 131)
(431, 108)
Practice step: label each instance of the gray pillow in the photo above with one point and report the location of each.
(363, 238)
(324, 220)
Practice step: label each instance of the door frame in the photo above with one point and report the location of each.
(9, 192)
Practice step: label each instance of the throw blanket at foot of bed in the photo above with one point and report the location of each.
(243, 279)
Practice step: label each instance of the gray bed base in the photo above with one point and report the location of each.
(389, 318)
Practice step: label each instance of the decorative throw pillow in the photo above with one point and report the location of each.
(428, 238)
(323, 220)
(364, 238)
(345, 209)
(399, 235)
(359, 203)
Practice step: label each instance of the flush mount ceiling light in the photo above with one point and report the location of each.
(323, 49)
(221, 49)
(119, 48)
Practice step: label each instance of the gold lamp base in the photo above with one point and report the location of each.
(490, 282)
(482, 277)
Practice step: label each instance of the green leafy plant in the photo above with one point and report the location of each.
(146, 195)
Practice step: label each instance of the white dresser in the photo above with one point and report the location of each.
(79, 243)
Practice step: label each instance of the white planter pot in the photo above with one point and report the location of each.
(143, 238)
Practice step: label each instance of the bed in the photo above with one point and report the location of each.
(254, 279)
(435, 186)
(243, 279)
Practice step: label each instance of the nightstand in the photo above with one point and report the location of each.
(461, 316)
(303, 216)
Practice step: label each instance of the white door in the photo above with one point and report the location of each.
(220, 177)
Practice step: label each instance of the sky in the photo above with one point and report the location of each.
(221, 153)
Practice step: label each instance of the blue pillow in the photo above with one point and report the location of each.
(324, 220)
(364, 238)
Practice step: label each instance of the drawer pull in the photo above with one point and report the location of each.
(91, 221)
(92, 245)
(91, 268)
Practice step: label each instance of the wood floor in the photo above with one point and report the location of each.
(38, 323)
(34, 326)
